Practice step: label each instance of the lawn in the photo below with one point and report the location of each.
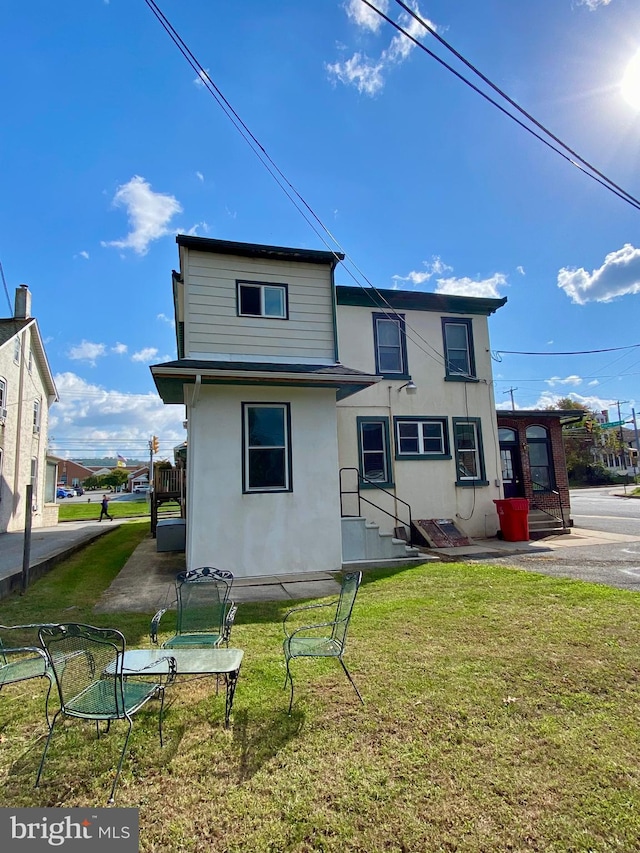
(118, 509)
(501, 714)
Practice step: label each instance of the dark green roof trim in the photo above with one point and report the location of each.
(565, 416)
(171, 376)
(256, 250)
(411, 300)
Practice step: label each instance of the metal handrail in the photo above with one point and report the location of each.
(543, 488)
(360, 478)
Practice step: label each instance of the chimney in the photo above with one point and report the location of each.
(23, 303)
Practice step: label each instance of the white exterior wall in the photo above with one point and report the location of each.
(263, 533)
(429, 486)
(18, 440)
(213, 329)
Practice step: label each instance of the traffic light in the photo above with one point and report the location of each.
(155, 444)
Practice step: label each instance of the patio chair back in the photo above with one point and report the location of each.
(87, 664)
(22, 657)
(204, 605)
(348, 592)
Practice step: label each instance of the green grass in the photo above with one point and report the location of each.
(501, 715)
(118, 509)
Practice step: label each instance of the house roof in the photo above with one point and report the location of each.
(10, 327)
(256, 250)
(172, 375)
(566, 416)
(442, 303)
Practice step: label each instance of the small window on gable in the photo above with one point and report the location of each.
(258, 299)
(458, 348)
(389, 338)
(30, 361)
(36, 415)
(3, 397)
(16, 350)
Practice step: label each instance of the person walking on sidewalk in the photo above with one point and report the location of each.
(104, 508)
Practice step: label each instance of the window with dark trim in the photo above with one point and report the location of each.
(467, 441)
(421, 438)
(262, 299)
(458, 348)
(390, 344)
(540, 459)
(3, 398)
(266, 431)
(36, 415)
(373, 451)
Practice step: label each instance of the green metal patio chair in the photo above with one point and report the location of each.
(322, 639)
(87, 664)
(22, 658)
(205, 612)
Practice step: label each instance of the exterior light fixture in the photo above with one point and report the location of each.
(410, 387)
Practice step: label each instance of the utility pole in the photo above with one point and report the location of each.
(635, 432)
(622, 443)
(510, 391)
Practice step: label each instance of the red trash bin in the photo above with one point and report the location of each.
(513, 514)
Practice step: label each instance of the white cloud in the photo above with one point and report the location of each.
(568, 380)
(364, 16)
(119, 348)
(193, 231)
(200, 176)
(520, 269)
(82, 254)
(487, 287)
(146, 355)
(619, 275)
(87, 351)
(118, 422)
(593, 4)
(594, 382)
(435, 266)
(596, 404)
(168, 320)
(202, 78)
(366, 74)
(359, 71)
(149, 214)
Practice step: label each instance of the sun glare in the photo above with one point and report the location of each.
(630, 85)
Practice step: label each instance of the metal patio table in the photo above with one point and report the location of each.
(225, 662)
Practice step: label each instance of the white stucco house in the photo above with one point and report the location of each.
(287, 378)
(27, 390)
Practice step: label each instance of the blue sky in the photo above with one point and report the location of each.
(111, 145)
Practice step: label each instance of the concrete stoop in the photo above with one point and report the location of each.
(364, 544)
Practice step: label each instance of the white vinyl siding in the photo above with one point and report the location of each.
(213, 328)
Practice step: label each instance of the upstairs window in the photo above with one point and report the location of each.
(267, 447)
(390, 344)
(458, 348)
(256, 299)
(36, 415)
(3, 398)
(16, 350)
(30, 361)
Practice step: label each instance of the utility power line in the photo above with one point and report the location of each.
(579, 162)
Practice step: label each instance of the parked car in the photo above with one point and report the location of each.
(141, 490)
(62, 492)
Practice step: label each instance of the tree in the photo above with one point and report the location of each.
(580, 440)
(117, 477)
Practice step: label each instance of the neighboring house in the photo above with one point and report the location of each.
(72, 473)
(27, 390)
(426, 433)
(273, 411)
(138, 479)
(533, 463)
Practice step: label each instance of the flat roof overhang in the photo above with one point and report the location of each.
(171, 378)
